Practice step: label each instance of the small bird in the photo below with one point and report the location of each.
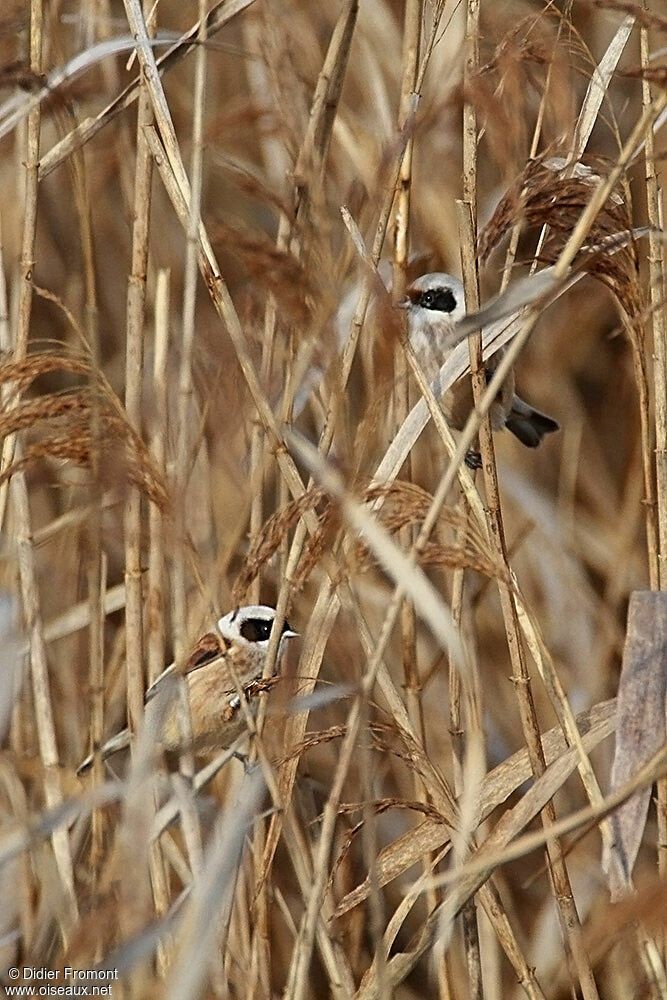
(433, 303)
(228, 659)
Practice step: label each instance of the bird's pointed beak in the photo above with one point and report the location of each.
(290, 634)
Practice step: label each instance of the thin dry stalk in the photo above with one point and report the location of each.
(97, 576)
(43, 707)
(657, 288)
(134, 355)
(185, 391)
(657, 294)
(411, 43)
(97, 565)
(156, 599)
(477, 374)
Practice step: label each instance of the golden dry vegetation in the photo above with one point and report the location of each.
(189, 254)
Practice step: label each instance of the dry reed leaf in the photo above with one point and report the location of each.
(328, 694)
(597, 88)
(43, 824)
(641, 727)
(14, 110)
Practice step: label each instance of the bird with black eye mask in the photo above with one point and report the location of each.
(228, 659)
(433, 304)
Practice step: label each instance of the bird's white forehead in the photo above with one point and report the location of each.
(440, 279)
(230, 623)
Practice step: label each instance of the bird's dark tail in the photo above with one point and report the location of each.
(528, 424)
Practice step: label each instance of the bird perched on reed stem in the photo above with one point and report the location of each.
(433, 304)
(225, 663)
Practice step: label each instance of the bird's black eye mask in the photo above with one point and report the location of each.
(440, 299)
(257, 629)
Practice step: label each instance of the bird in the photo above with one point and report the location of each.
(433, 304)
(227, 660)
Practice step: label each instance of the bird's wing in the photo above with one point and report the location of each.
(208, 648)
(205, 650)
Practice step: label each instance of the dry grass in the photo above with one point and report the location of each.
(158, 447)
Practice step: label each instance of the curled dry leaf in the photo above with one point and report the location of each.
(640, 727)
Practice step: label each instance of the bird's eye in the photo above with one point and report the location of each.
(256, 629)
(439, 299)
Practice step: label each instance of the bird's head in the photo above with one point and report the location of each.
(251, 626)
